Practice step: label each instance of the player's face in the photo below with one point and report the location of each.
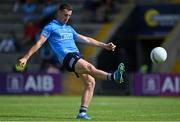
(64, 15)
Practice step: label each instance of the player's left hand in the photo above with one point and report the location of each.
(110, 46)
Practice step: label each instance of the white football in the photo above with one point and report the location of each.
(158, 55)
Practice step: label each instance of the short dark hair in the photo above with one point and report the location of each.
(65, 6)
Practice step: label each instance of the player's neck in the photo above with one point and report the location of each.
(60, 22)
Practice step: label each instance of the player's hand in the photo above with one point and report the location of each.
(110, 46)
(22, 62)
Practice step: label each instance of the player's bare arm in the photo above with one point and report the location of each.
(34, 48)
(93, 42)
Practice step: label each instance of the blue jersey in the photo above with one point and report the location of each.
(61, 38)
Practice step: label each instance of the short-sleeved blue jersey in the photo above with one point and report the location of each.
(61, 38)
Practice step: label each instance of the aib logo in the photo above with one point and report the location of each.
(14, 83)
(151, 84)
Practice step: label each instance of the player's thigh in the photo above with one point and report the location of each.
(83, 67)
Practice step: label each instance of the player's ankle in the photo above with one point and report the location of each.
(83, 109)
(110, 76)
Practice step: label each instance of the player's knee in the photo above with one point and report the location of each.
(90, 84)
(91, 69)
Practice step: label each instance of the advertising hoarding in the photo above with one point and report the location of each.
(157, 84)
(30, 83)
(156, 19)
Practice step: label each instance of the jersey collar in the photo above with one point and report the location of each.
(58, 22)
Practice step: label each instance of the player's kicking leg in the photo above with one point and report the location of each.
(84, 67)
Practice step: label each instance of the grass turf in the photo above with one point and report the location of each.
(65, 108)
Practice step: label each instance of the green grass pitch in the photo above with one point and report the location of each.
(65, 108)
